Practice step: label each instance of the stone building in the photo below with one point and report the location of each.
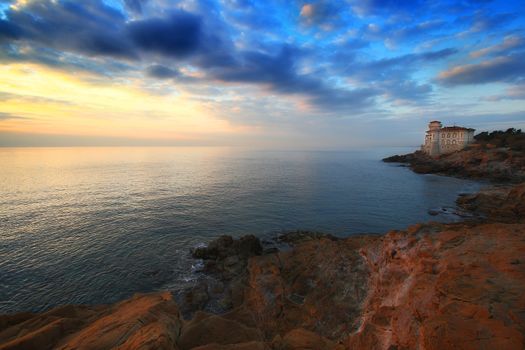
(442, 140)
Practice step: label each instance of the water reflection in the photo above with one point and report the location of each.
(93, 225)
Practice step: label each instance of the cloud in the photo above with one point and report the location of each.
(8, 31)
(325, 13)
(235, 43)
(406, 91)
(509, 43)
(279, 73)
(368, 7)
(407, 33)
(90, 28)
(6, 96)
(95, 29)
(178, 35)
(483, 22)
(8, 116)
(398, 66)
(162, 72)
(392, 77)
(515, 92)
(135, 5)
(499, 69)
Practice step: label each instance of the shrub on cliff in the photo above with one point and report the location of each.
(511, 138)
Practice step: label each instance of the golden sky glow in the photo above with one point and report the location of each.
(48, 101)
(317, 74)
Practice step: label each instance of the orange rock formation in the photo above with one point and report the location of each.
(433, 286)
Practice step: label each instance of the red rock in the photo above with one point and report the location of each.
(205, 329)
(301, 339)
(434, 286)
(465, 301)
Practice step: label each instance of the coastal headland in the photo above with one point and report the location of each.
(431, 286)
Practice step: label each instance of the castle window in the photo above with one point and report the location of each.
(455, 135)
(448, 134)
(453, 142)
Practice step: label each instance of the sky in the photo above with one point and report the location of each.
(265, 74)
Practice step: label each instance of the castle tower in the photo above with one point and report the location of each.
(442, 140)
(434, 125)
(432, 140)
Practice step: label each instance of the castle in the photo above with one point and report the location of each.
(442, 140)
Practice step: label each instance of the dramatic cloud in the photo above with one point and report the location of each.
(509, 43)
(162, 72)
(177, 36)
(94, 28)
(499, 69)
(272, 64)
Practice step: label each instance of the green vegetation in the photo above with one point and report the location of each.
(511, 138)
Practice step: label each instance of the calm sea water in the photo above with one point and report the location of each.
(95, 225)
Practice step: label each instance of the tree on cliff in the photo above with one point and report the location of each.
(511, 138)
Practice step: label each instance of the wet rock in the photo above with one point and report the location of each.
(197, 297)
(497, 204)
(404, 158)
(433, 286)
(225, 247)
(296, 237)
(225, 261)
(434, 212)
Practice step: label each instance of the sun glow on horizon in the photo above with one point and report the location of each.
(39, 99)
(321, 74)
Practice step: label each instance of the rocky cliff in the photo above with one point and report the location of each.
(432, 286)
(477, 162)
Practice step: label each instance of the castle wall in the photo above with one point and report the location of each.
(445, 140)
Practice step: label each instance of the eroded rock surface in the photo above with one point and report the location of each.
(497, 204)
(143, 322)
(497, 164)
(434, 286)
(446, 287)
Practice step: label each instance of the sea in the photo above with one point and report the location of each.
(96, 225)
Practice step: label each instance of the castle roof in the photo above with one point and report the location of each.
(456, 128)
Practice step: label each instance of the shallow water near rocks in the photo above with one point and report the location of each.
(95, 225)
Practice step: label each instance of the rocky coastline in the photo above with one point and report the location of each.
(496, 164)
(431, 286)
